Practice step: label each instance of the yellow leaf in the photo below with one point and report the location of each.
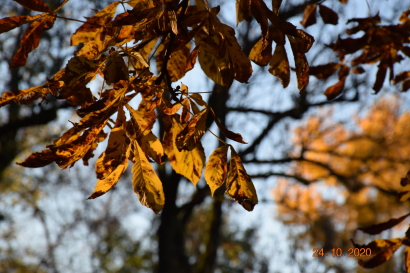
(145, 181)
(151, 146)
(198, 99)
(94, 30)
(114, 153)
(192, 133)
(217, 168)
(178, 62)
(239, 185)
(104, 185)
(186, 163)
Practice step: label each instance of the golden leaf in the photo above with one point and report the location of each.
(145, 181)
(188, 138)
(217, 168)
(239, 185)
(115, 151)
(95, 29)
(178, 62)
(104, 185)
(198, 99)
(186, 163)
(151, 146)
(25, 96)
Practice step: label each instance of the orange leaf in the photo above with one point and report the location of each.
(37, 5)
(31, 39)
(323, 71)
(9, 23)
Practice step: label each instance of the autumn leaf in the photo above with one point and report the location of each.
(10, 23)
(177, 64)
(383, 256)
(229, 134)
(25, 96)
(37, 5)
(407, 259)
(323, 71)
(115, 69)
(376, 229)
(328, 15)
(95, 29)
(115, 151)
(279, 65)
(188, 138)
(309, 15)
(31, 39)
(186, 163)
(239, 185)
(335, 90)
(145, 181)
(106, 184)
(217, 168)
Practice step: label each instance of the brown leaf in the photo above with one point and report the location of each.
(343, 72)
(401, 77)
(37, 5)
(380, 76)
(115, 69)
(405, 86)
(192, 59)
(328, 15)
(243, 10)
(217, 168)
(31, 39)
(309, 15)
(279, 65)
(376, 229)
(239, 185)
(335, 90)
(10, 23)
(323, 71)
(226, 132)
(25, 96)
(259, 55)
(381, 257)
(275, 6)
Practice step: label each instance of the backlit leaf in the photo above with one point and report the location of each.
(188, 138)
(31, 39)
(217, 168)
(115, 69)
(279, 65)
(104, 185)
(239, 185)
(145, 181)
(25, 96)
(10, 23)
(186, 163)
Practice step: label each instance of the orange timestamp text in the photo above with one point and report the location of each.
(338, 252)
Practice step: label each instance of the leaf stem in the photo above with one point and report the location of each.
(217, 136)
